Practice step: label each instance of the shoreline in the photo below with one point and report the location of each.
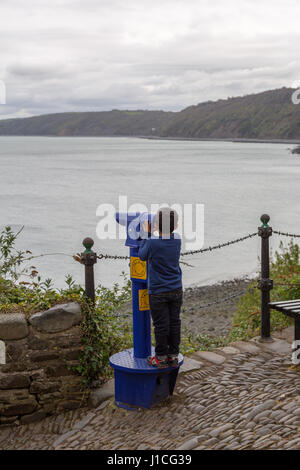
(198, 318)
(234, 140)
(150, 137)
(214, 320)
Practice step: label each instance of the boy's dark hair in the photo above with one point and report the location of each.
(167, 220)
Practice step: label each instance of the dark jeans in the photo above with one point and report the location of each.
(165, 313)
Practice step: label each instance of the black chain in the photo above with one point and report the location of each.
(290, 285)
(204, 250)
(121, 315)
(105, 256)
(192, 252)
(226, 299)
(211, 248)
(292, 235)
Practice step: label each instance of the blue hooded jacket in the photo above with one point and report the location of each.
(164, 272)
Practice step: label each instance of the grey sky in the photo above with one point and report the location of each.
(71, 55)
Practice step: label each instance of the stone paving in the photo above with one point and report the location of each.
(246, 396)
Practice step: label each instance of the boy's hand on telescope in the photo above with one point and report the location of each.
(147, 226)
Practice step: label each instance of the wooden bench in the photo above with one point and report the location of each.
(291, 308)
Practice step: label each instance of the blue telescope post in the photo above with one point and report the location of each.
(140, 306)
(138, 384)
(138, 276)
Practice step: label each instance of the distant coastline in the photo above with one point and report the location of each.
(152, 137)
(267, 117)
(239, 140)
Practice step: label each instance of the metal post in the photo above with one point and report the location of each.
(296, 346)
(297, 329)
(265, 284)
(89, 258)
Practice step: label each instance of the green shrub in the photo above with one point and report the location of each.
(285, 272)
(104, 330)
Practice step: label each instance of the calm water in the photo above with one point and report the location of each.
(53, 186)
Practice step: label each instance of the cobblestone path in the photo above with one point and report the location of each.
(245, 397)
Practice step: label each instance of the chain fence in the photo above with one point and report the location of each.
(210, 304)
(187, 253)
(107, 256)
(291, 235)
(204, 250)
(209, 249)
(226, 299)
(290, 286)
(221, 245)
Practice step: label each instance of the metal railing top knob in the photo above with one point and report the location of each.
(88, 243)
(265, 218)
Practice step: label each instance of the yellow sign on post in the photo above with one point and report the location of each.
(138, 268)
(144, 299)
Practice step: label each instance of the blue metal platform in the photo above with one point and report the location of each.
(126, 361)
(137, 384)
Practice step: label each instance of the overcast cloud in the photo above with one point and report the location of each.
(89, 55)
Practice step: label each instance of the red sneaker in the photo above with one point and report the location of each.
(155, 362)
(173, 361)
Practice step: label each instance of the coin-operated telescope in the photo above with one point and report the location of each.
(138, 274)
(137, 384)
(134, 221)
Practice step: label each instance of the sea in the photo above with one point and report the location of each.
(56, 188)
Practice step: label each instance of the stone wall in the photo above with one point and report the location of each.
(36, 358)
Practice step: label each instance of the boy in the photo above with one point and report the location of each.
(164, 286)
